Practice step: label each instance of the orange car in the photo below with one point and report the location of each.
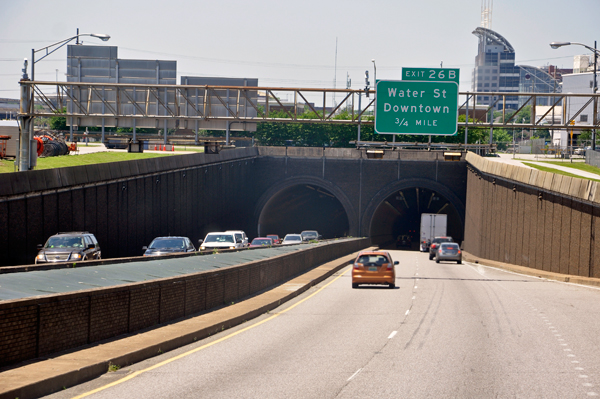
(374, 267)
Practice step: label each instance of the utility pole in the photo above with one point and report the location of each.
(359, 105)
(26, 109)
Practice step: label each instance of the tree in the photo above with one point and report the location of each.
(59, 122)
(541, 134)
(340, 135)
(501, 137)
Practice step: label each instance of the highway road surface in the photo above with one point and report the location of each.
(446, 331)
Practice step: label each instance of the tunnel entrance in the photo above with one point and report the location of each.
(303, 207)
(400, 214)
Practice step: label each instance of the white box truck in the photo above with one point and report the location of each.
(432, 225)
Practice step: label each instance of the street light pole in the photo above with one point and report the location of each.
(28, 104)
(375, 74)
(556, 45)
(60, 44)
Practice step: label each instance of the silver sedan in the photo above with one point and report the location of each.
(449, 251)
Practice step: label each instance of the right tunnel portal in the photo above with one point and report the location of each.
(400, 215)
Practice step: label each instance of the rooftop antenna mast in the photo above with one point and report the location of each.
(486, 13)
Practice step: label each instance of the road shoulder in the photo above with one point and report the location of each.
(567, 278)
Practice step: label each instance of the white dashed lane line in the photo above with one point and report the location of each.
(392, 334)
(567, 351)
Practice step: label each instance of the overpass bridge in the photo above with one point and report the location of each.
(179, 106)
(236, 107)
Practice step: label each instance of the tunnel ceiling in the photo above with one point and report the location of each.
(304, 207)
(400, 214)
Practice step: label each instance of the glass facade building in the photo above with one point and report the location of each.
(495, 71)
(536, 80)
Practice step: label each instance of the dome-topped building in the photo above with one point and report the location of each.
(495, 69)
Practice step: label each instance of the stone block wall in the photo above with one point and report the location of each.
(124, 204)
(531, 218)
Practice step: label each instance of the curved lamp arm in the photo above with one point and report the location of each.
(100, 36)
(556, 45)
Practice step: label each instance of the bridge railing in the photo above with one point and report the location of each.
(118, 104)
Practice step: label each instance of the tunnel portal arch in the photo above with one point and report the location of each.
(396, 209)
(305, 203)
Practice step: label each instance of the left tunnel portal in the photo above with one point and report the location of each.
(303, 207)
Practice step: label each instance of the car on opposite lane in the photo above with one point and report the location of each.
(448, 251)
(436, 243)
(73, 246)
(374, 267)
(309, 235)
(221, 240)
(275, 238)
(290, 239)
(261, 242)
(240, 234)
(165, 245)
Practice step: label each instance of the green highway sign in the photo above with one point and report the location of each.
(416, 107)
(431, 74)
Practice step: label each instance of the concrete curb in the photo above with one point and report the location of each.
(48, 376)
(567, 278)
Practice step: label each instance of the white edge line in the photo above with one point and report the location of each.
(474, 265)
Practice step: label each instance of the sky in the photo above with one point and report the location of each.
(293, 44)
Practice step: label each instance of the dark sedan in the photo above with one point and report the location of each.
(167, 245)
(436, 243)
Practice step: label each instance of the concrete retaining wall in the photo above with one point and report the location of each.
(351, 153)
(531, 218)
(37, 327)
(125, 204)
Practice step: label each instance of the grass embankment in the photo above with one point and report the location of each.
(7, 166)
(576, 165)
(567, 164)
